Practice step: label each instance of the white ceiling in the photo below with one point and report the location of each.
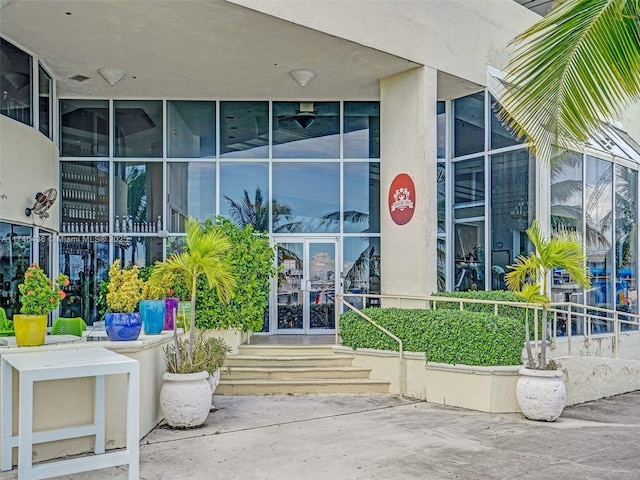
(189, 49)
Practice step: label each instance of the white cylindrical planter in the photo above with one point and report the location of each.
(541, 394)
(214, 380)
(185, 399)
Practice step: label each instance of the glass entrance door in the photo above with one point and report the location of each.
(307, 285)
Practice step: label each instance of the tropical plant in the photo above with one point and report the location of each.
(158, 287)
(246, 212)
(209, 353)
(563, 249)
(206, 255)
(572, 72)
(124, 290)
(40, 295)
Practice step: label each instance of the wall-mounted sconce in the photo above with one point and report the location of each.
(111, 75)
(302, 76)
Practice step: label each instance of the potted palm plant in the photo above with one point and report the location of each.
(540, 390)
(207, 255)
(39, 296)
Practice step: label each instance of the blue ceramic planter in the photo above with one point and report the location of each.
(123, 326)
(152, 313)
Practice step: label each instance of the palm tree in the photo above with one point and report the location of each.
(572, 72)
(563, 249)
(206, 255)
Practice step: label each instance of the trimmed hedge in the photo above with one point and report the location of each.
(491, 295)
(446, 336)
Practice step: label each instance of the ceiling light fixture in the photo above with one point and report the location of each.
(302, 76)
(111, 75)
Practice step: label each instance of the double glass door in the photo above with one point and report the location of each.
(307, 285)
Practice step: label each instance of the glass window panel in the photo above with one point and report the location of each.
(244, 129)
(175, 245)
(441, 122)
(361, 267)
(441, 196)
(191, 129)
(192, 192)
(44, 102)
(441, 259)
(361, 130)
(500, 135)
(306, 130)
(137, 196)
(140, 251)
(86, 263)
(598, 234)
(361, 197)
(306, 197)
(469, 212)
(469, 181)
(626, 240)
(138, 128)
(469, 256)
(84, 128)
(468, 129)
(244, 194)
(85, 197)
(15, 258)
(512, 210)
(15, 83)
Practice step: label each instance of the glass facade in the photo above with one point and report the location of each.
(16, 83)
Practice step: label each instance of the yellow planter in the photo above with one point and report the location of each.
(30, 329)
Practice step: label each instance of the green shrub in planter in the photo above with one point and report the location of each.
(491, 295)
(446, 336)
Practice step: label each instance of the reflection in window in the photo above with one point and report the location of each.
(191, 192)
(244, 129)
(500, 136)
(599, 236)
(361, 130)
(468, 130)
(306, 130)
(469, 256)
(441, 127)
(15, 83)
(512, 210)
(191, 129)
(84, 128)
(244, 194)
(306, 197)
(361, 267)
(86, 264)
(137, 189)
(361, 197)
(15, 258)
(140, 251)
(138, 128)
(44, 101)
(626, 240)
(469, 181)
(441, 212)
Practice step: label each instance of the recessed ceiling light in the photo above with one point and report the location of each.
(79, 78)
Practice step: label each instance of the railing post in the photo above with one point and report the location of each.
(569, 331)
(616, 330)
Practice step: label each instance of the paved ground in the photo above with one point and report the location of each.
(349, 437)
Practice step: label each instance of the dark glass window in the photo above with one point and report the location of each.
(244, 194)
(138, 128)
(468, 129)
(361, 130)
(361, 197)
(137, 189)
(44, 101)
(441, 122)
(192, 192)
(361, 267)
(84, 128)
(306, 130)
(306, 197)
(626, 241)
(15, 258)
(469, 181)
(469, 256)
(15, 83)
(85, 196)
(244, 129)
(500, 135)
(191, 129)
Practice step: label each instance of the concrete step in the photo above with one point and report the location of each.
(294, 373)
(333, 360)
(285, 349)
(294, 387)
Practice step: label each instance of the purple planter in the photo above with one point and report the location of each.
(171, 308)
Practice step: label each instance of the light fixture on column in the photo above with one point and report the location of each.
(302, 76)
(111, 75)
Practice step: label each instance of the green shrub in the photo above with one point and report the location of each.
(446, 336)
(491, 295)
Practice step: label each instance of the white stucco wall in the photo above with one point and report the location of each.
(28, 164)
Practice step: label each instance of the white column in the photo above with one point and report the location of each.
(409, 145)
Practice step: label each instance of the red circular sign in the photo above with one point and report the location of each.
(402, 199)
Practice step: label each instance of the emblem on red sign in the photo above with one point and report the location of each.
(402, 194)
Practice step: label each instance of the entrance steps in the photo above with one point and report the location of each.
(294, 369)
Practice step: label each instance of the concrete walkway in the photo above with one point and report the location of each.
(385, 437)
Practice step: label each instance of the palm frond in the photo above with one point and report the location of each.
(573, 70)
